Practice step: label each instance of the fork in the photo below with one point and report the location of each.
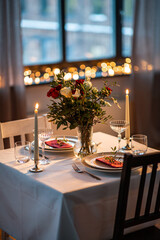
(78, 170)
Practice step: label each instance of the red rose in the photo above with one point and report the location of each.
(73, 91)
(49, 93)
(109, 90)
(53, 92)
(82, 92)
(80, 81)
(58, 87)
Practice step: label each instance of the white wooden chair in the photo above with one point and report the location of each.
(20, 128)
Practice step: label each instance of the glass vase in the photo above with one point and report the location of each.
(85, 145)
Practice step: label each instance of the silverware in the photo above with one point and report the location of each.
(78, 170)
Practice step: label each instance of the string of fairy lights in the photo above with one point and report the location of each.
(102, 69)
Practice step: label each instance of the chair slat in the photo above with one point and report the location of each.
(122, 203)
(130, 162)
(140, 192)
(20, 128)
(157, 205)
(151, 188)
(23, 138)
(1, 138)
(11, 141)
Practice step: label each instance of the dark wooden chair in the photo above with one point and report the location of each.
(121, 223)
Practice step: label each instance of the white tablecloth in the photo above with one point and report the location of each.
(58, 203)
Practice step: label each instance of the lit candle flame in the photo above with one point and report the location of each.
(127, 91)
(36, 106)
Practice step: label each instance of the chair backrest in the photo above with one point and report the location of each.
(150, 213)
(20, 128)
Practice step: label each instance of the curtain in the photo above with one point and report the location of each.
(145, 117)
(12, 89)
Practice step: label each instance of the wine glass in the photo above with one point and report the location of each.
(119, 126)
(44, 134)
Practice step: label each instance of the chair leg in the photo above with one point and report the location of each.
(5, 236)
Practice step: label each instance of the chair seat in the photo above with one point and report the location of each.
(150, 233)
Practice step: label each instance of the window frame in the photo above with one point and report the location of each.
(63, 64)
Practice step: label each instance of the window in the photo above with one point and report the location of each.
(90, 27)
(40, 32)
(127, 26)
(72, 31)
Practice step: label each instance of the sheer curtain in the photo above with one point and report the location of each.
(12, 89)
(146, 68)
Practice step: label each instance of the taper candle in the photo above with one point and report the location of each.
(36, 147)
(127, 116)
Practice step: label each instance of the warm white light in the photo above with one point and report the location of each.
(127, 70)
(56, 71)
(88, 72)
(111, 72)
(37, 80)
(75, 77)
(67, 76)
(127, 91)
(128, 60)
(30, 81)
(26, 80)
(103, 65)
(36, 107)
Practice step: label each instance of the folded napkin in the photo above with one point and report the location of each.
(109, 160)
(58, 144)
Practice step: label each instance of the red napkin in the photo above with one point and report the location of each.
(58, 144)
(111, 161)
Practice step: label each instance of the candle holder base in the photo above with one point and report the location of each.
(36, 170)
(127, 147)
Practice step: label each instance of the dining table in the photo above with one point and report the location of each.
(59, 203)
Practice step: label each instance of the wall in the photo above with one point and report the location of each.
(38, 94)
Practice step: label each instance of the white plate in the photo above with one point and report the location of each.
(70, 139)
(90, 161)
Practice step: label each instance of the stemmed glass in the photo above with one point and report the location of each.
(44, 134)
(119, 126)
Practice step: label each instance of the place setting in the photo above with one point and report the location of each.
(112, 162)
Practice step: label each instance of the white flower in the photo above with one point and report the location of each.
(66, 91)
(94, 90)
(87, 83)
(77, 93)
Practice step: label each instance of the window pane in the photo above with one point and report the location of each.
(40, 31)
(127, 27)
(90, 29)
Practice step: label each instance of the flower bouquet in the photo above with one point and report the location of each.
(76, 103)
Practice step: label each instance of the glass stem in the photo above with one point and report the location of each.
(43, 146)
(119, 141)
